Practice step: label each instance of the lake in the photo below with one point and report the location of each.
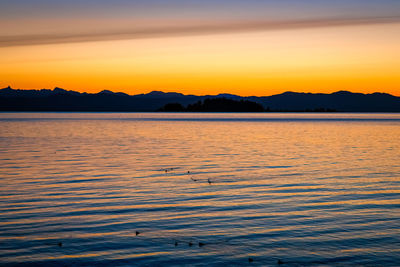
(205, 189)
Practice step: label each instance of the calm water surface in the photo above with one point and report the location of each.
(306, 189)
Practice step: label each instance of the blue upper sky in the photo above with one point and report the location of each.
(76, 17)
(179, 8)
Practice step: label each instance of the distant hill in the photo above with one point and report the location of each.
(63, 100)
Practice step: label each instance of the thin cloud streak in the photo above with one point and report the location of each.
(200, 29)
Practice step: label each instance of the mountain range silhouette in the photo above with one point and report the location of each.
(60, 99)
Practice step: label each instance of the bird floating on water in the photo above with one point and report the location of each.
(169, 169)
(137, 233)
(209, 181)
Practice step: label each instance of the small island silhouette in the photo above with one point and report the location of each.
(228, 105)
(216, 105)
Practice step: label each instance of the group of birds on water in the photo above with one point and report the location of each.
(188, 172)
(190, 244)
(201, 244)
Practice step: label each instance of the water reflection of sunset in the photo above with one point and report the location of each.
(92, 180)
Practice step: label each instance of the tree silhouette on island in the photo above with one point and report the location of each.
(227, 105)
(216, 105)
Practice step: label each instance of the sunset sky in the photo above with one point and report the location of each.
(246, 47)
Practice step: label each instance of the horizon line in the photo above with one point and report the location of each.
(225, 93)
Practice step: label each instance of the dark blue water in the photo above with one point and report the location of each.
(201, 189)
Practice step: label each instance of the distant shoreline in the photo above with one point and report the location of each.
(60, 100)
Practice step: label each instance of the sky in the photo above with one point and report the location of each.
(246, 47)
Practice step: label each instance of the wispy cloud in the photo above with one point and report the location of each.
(199, 29)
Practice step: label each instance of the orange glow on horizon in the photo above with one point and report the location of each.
(359, 59)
